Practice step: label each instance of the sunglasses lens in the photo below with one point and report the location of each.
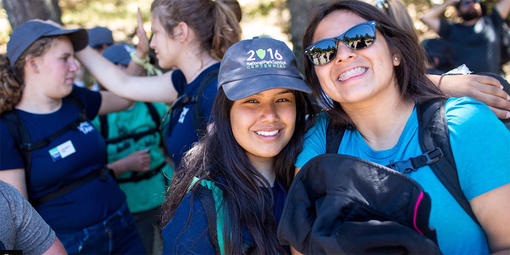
(356, 38)
(359, 37)
(322, 52)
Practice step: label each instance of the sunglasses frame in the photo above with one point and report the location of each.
(371, 24)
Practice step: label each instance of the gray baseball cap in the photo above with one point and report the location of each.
(119, 54)
(29, 32)
(258, 64)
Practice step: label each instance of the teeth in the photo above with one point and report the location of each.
(351, 72)
(267, 133)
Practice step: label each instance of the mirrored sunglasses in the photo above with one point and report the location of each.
(357, 37)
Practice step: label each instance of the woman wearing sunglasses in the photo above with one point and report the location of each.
(374, 73)
(190, 36)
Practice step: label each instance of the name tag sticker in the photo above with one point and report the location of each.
(62, 151)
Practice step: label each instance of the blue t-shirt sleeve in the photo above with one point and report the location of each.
(90, 99)
(187, 231)
(480, 144)
(315, 141)
(10, 157)
(179, 81)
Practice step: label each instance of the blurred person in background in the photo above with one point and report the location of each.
(135, 153)
(476, 40)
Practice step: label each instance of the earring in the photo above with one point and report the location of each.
(396, 60)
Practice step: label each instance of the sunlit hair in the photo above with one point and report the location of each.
(216, 23)
(397, 11)
(218, 157)
(12, 80)
(410, 74)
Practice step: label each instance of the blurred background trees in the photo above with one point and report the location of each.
(281, 19)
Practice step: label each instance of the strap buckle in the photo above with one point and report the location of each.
(403, 166)
(413, 164)
(432, 156)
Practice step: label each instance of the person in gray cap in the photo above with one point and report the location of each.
(50, 151)
(100, 38)
(237, 175)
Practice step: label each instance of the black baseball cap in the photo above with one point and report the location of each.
(29, 32)
(258, 64)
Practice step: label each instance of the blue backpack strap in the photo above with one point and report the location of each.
(434, 135)
(211, 198)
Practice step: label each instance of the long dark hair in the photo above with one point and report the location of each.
(412, 81)
(219, 158)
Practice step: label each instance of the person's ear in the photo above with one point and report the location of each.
(181, 31)
(31, 63)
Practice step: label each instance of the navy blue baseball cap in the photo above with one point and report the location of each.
(119, 54)
(29, 32)
(258, 64)
(99, 36)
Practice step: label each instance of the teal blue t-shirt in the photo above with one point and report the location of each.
(480, 144)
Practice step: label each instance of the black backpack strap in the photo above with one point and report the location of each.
(136, 177)
(206, 198)
(72, 125)
(98, 173)
(433, 135)
(199, 122)
(135, 136)
(333, 138)
(21, 137)
(154, 114)
(103, 125)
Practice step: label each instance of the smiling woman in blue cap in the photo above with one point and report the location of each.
(238, 173)
(50, 151)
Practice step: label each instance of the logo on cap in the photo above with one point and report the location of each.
(265, 58)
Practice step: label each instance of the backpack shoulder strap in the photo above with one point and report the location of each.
(433, 133)
(333, 138)
(21, 137)
(75, 100)
(154, 114)
(103, 125)
(211, 198)
(199, 122)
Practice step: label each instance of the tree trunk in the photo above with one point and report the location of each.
(301, 13)
(19, 11)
